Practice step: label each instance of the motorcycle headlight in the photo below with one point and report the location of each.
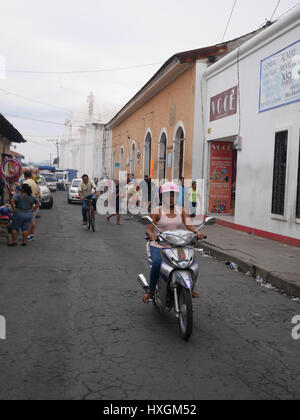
(180, 241)
(175, 239)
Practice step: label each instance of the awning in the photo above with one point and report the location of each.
(8, 131)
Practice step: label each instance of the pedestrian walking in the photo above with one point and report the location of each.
(182, 193)
(194, 199)
(35, 193)
(23, 205)
(117, 214)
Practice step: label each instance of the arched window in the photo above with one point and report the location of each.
(122, 158)
(178, 168)
(147, 155)
(132, 159)
(113, 164)
(162, 156)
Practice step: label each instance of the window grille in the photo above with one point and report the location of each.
(279, 174)
(298, 189)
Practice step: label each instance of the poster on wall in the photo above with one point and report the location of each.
(220, 178)
(280, 78)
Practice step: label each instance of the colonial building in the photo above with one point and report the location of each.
(153, 134)
(247, 133)
(82, 146)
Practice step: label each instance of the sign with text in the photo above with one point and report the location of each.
(280, 78)
(220, 177)
(224, 104)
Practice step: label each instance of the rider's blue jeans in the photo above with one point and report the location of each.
(85, 204)
(156, 263)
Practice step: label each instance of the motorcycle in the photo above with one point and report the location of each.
(178, 274)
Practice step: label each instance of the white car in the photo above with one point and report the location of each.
(45, 194)
(51, 181)
(73, 196)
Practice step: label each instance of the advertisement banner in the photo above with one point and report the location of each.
(220, 177)
(280, 78)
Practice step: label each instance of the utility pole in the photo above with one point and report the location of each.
(57, 148)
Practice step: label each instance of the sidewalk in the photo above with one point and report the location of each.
(276, 263)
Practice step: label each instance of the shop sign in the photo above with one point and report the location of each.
(224, 104)
(280, 78)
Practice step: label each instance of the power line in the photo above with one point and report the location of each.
(45, 121)
(275, 10)
(84, 71)
(34, 119)
(6, 92)
(289, 10)
(229, 20)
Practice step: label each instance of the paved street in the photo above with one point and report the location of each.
(77, 328)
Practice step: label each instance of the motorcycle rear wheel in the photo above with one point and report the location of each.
(185, 320)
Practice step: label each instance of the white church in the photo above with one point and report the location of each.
(85, 145)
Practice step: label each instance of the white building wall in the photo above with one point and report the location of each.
(82, 147)
(256, 160)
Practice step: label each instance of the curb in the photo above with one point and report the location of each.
(277, 280)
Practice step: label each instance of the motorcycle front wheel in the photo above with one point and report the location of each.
(185, 320)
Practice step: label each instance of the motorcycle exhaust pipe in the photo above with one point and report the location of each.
(143, 282)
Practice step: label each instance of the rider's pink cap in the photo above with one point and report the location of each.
(170, 187)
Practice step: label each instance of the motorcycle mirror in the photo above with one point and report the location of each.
(210, 221)
(146, 220)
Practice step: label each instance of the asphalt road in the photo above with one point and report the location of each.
(77, 328)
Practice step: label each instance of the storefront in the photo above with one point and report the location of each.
(222, 178)
(251, 148)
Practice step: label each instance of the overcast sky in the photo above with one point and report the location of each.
(72, 35)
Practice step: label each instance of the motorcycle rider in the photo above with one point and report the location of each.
(167, 217)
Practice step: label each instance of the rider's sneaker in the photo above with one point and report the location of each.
(29, 238)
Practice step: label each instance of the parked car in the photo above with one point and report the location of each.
(73, 196)
(51, 181)
(45, 194)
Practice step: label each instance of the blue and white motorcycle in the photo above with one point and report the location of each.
(178, 274)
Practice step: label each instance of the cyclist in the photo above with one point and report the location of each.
(87, 191)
